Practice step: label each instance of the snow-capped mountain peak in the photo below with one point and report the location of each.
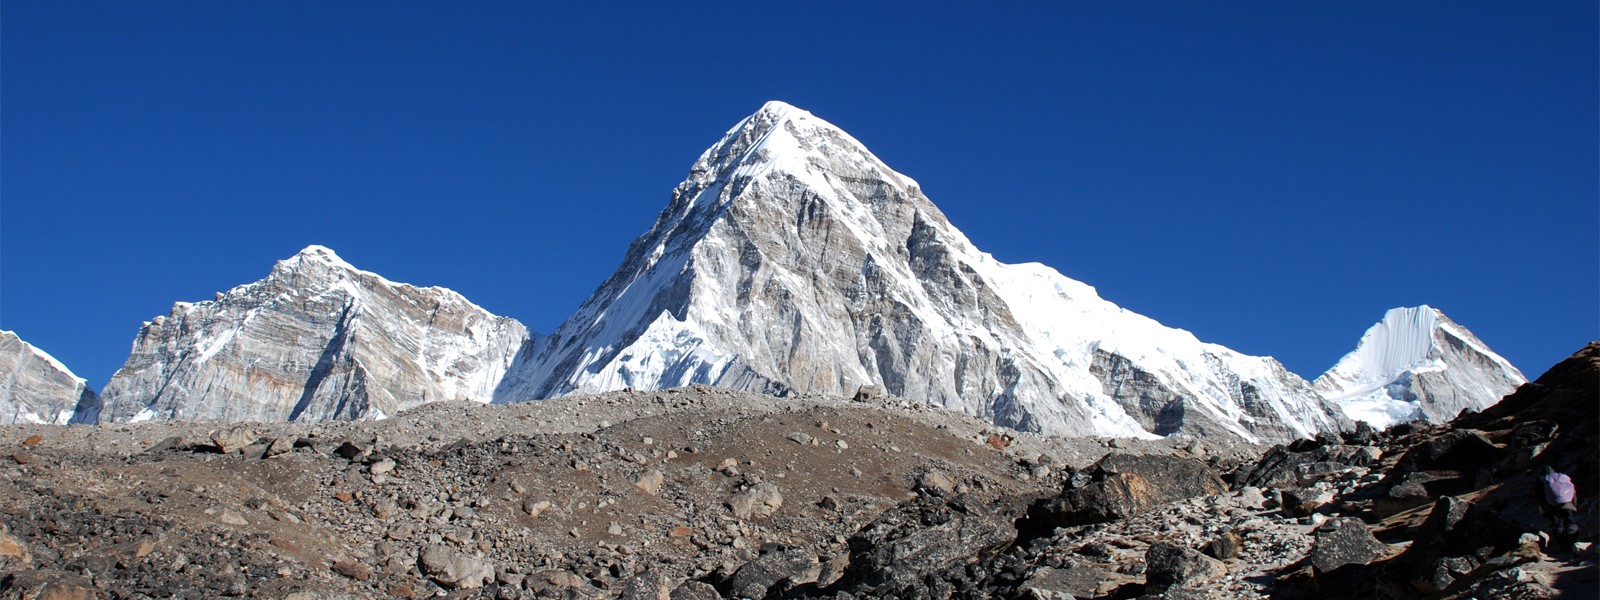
(316, 339)
(1417, 363)
(793, 260)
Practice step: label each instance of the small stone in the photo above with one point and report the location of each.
(936, 483)
(614, 529)
(1251, 497)
(535, 507)
(13, 548)
(33, 440)
(343, 496)
(695, 590)
(799, 438)
(761, 500)
(650, 482)
(279, 447)
(382, 466)
(228, 517)
(233, 440)
(841, 444)
(385, 508)
(1224, 547)
(353, 570)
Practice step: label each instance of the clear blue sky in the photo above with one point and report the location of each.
(1271, 176)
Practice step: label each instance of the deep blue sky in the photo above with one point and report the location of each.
(1271, 176)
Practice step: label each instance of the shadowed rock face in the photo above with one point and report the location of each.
(316, 340)
(34, 388)
(792, 260)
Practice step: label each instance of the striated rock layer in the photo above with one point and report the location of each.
(792, 260)
(1417, 364)
(35, 387)
(316, 340)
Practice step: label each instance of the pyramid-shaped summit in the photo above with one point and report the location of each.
(1417, 363)
(793, 260)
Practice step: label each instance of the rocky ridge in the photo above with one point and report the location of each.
(706, 493)
(317, 339)
(35, 387)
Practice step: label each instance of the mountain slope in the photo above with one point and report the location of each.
(1416, 363)
(317, 339)
(792, 260)
(34, 386)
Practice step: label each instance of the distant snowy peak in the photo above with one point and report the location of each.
(1416, 363)
(793, 260)
(34, 386)
(317, 339)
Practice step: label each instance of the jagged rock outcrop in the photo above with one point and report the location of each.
(35, 387)
(792, 260)
(1417, 364)
(316, 340)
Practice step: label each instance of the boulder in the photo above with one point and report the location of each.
(650, 482)
(760, 501)
(923, 541)
(1172, 566)
(652, 584)
(454, 570)
(1121, 485)
(1343, 541)
(776, 572)
(1065, 583)
(1224, 546)
(695, 590)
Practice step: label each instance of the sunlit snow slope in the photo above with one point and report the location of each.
(1417, 364)
(792, 260)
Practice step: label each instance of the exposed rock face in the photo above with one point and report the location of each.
(1417, 364)
(34, 387)
(316, 340)
(793, 260)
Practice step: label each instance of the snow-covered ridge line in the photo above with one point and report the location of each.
(791, 260)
